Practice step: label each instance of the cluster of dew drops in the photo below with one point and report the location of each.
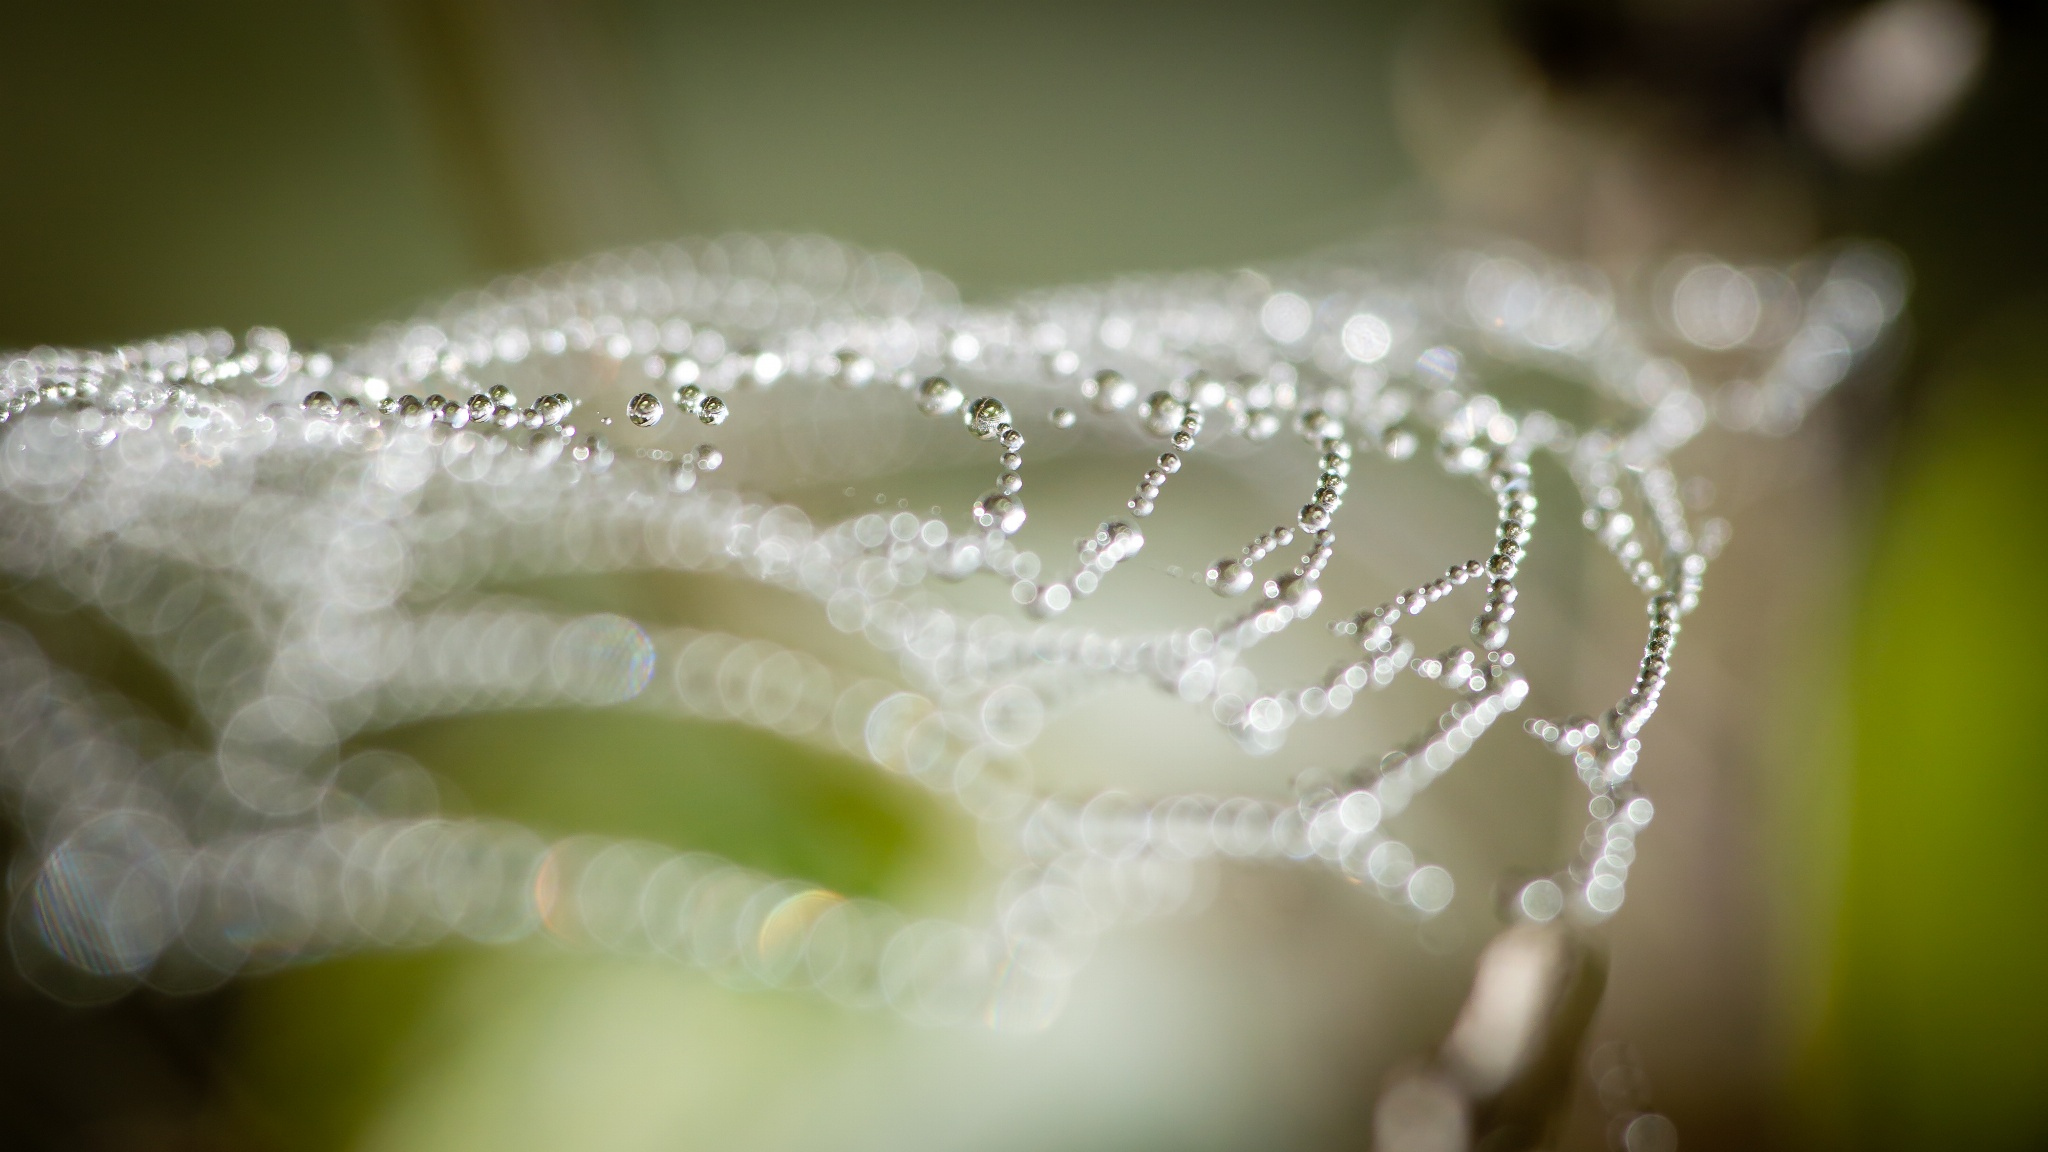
(1348, 361)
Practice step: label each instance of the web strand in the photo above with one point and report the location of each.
(303, 539)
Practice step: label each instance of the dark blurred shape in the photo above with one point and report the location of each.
(1864, 82)
(148, 1076)
(1712, 68)
(1502, 1079)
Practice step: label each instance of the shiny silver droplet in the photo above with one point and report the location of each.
(644, 410)
(985, 417)
(1109, 390)
(553, 408)
(937, 397)
(1163, 414)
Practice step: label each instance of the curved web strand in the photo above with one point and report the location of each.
(315, 545)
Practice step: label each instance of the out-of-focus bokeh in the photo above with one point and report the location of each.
(1837, 930)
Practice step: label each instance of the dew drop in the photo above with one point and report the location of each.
(1163, 413)
(1230, 578)
(644, 410)
(1001, 512)
(937, 397)
(553, 408)
(1541, 900)
(986, 417)
(1110, 391)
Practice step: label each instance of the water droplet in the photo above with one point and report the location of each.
(711, 410)
(937, 397)
(553, 408)
(319, 404)
(1163, 413)
(644, 410)
(1541, 900)
(1110, 391)
(1124, 540)
(1430, 889)
(1063, 417)
(985, 417)
(1003, 513)
(1230, 578)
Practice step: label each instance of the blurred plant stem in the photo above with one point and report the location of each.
(533, 127)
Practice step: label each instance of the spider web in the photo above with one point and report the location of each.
(306, 542)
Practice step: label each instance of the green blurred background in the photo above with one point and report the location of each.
(323, 165)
